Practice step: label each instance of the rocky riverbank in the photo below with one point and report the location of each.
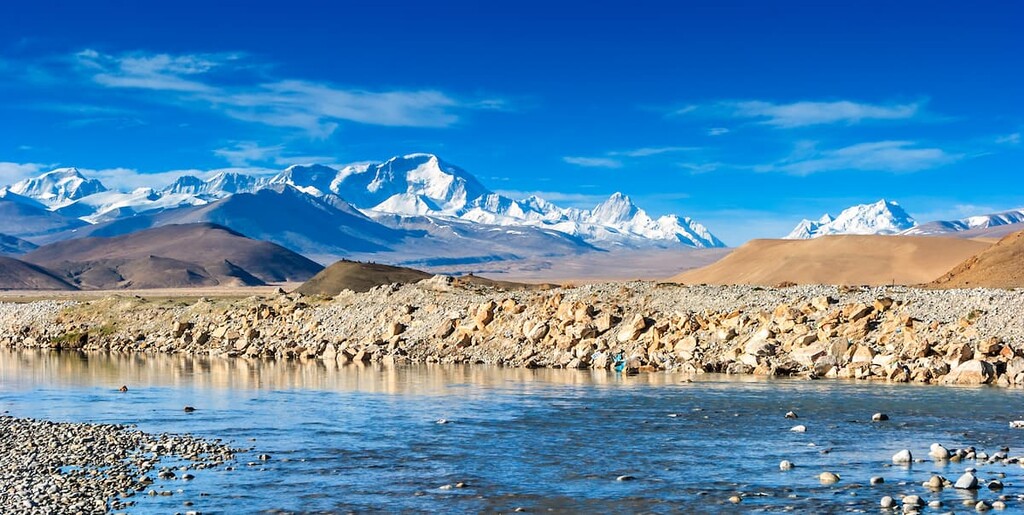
(50, 467)
(893, 334)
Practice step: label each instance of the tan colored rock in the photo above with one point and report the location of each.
(632, 330)
(685, 348)
(990, 347)
(394, 329)
(806, 356)
(862, 354)
(972, 372)
(803, 341)
(882, 304)
(445, 328)
(855, 312)
(604, 322)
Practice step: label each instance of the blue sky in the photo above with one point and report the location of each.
(747, 116)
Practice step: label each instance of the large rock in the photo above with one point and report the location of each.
(972, 372)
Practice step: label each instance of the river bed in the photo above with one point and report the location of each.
(368, 438)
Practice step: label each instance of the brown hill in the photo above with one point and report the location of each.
(860, 260)
(999, 266)
(19, 275)
(355, 276)
(173, 256)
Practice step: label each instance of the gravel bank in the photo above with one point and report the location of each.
(54, 467)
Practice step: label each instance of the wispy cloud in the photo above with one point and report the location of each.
(717, 131)
(804, 113)
(593, 162)
(14, 172)
(619, 158)
(314, 107)
(650, 151)
(244, 153)
(883, 156)
(1009, 139)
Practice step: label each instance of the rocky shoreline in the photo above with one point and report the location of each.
(895, 334)
(57, 467)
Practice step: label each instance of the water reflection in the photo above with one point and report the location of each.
(115, 369)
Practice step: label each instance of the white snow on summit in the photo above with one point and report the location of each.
(406, 191)
(882, 217)
(58, 187)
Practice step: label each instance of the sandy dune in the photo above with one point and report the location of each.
(860, 260)
(999, 266)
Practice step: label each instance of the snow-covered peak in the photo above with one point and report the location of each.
(617, 209)
(882, 217)
(313, 179)
(220, 185)
(58, 187)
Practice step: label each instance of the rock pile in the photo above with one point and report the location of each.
(893, 334)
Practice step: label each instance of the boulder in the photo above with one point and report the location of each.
(972, 372)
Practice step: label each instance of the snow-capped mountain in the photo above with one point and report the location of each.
(220, 185)
(424, 185)
(967, 224)
(58, 187)
(882, 217)
(427, 206)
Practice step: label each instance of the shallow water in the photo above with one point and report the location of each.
(367, 438)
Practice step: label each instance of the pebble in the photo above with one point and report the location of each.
(790, 414)
(982, 506)
(877, 480)
(625, 478)
(887, 502)
(903, 456)
(735, 499)
(109, 462)
(786, 465)
(799, 429)
(935, 483)
(939, 452)
(828, 478)
(879, 417)
(968, 481)
(189, 409)
(999, 505)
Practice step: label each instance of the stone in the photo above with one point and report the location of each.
(791, 414)
(625, 478)
(786, 465)
(879, 417)
(903, 457)
(939, 452)
(799, 429)
(982, 506)
(972, 372)
(632, 330)
(828, 478)
(935, 483)
(968, 481)
(887, 502)
(912, 500)
(876, 480)
(735, 499)
(394, 329)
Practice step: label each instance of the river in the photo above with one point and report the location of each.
(356, 438)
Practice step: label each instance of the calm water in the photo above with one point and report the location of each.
(367, 438)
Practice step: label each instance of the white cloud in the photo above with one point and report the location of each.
(150, 71)
(650, 151)
(593, 162)
(1009, 139)
(246, 152)
(884, 156)
(316, 108)
(802, 114)
(13, 172)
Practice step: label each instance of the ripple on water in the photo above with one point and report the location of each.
(366, 438)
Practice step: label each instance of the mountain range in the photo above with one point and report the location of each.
(414, 209)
